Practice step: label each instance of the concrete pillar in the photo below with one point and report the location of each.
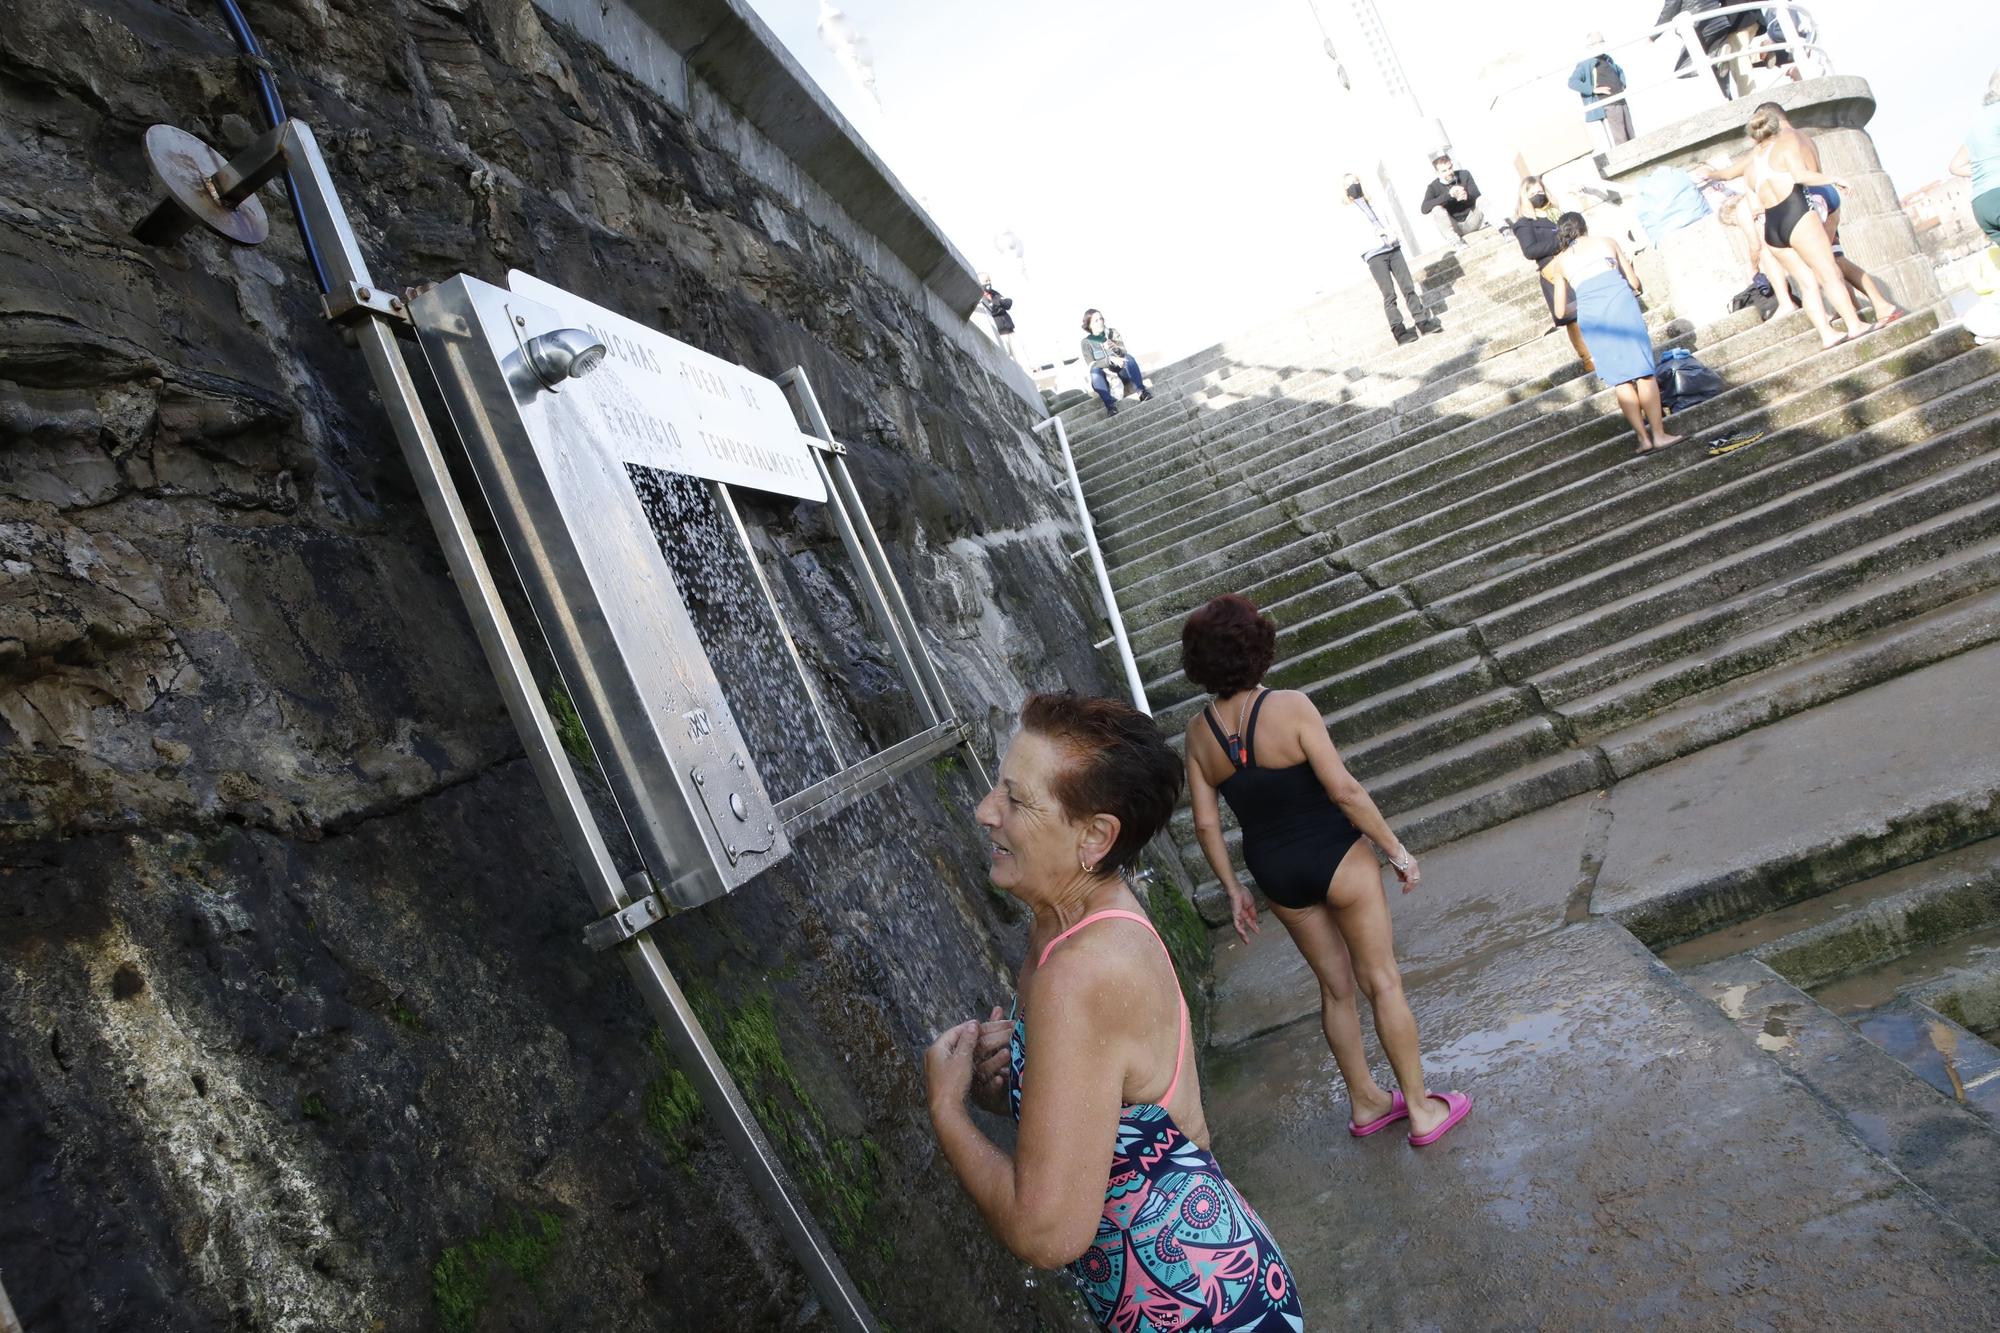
(1873, 227)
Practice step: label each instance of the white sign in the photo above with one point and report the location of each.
(675, 407)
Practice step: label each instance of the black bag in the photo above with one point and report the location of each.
(1684, 381)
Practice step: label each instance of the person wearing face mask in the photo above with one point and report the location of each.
(1454, 192)
(1368, 231)
(1536, 212)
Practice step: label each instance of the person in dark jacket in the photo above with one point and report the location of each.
(997, 307)
(1720, 34)
(1596, 77)
(1454, 192)
(1536, 213)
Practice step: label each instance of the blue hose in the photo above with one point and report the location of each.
(274, 115)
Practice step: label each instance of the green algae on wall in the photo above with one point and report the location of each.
(841, 1176)
(459, 1278)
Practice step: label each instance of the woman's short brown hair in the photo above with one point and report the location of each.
(1086, 317)
(1119, 765)
(1227, 645)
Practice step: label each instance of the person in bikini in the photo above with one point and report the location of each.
(1310, 833)
(1778, 175)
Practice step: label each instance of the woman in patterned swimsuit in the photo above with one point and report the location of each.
(1111, 1173)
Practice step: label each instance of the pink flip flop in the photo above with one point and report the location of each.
(1398, 1110)
(1461, 1107)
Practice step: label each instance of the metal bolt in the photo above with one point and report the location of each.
(363, 294)
(395, 303)
(699, 780)
(739, 761)
(770, 828)
(736, 806)
(732, 849)
(521, 321)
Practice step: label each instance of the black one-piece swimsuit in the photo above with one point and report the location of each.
(1294, 836)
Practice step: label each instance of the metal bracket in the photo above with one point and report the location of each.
(646, 912)
(827, 446)
(358, 302)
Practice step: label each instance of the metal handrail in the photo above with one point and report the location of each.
(1125, 658)
(1682, 26)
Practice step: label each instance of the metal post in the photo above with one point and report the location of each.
(878, 579)
(727, 502)
(9, 1321)
(685, 1039)
(1125, 658)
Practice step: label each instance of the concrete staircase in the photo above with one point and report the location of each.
(1494, 605)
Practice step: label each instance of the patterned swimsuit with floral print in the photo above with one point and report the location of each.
(1177, 1248)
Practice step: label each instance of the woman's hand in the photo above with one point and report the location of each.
(1243, 913)
(992, 1061)
(948, 1065)
(1406, 868)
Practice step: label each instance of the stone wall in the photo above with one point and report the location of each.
(296, 1031)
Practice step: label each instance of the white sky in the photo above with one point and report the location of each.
(1172, 161)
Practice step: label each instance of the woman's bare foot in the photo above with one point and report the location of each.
(1427, 1113)
(1662, 441)
(1830, 340)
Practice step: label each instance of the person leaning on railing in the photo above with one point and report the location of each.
(1720, 35)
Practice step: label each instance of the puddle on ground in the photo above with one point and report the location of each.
(1777, 1034)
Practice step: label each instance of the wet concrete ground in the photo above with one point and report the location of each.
(1634, 1157)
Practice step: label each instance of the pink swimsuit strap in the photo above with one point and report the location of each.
(1180, 1035)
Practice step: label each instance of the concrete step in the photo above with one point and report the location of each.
(1863, 925)
(1523, 567)
(1597, 442)
(1318, 649)
(1932, 564)
(1184, 504)
(1312, 591)
(1943, 1147)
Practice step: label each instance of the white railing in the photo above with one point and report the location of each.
(1641, 49)
(1089, 547)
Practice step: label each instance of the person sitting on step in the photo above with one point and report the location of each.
(1104, 355)
(1310, 834)
(1607, 287)
(1456, 197)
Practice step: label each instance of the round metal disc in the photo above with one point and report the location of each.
(183, 164)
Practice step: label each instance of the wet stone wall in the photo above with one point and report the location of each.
(296, 1030)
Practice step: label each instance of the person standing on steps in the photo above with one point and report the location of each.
(1792, 231)
(1534, 230)
(1454, 192)
(1104, 355)
(1795, 148)
(1310, 834)
(999, 309)
(1110, 1173)
(1600, 273)
(1979, 158)
(1365, 229)
(1597, 76)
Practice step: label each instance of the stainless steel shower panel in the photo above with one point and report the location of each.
(605, 597)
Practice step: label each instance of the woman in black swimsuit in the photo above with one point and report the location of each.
(1309, 837)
